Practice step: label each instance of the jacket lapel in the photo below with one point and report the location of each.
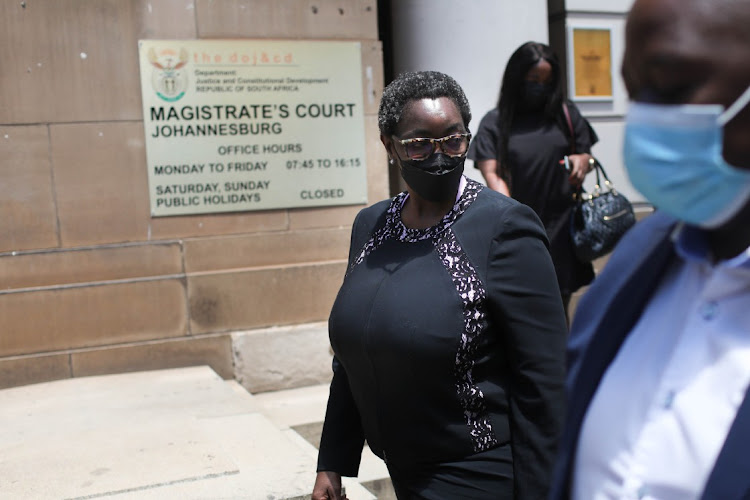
(730, 477)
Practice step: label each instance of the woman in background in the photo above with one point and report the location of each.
(520, 146)
(448, 330)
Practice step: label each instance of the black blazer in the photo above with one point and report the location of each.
(448, 341)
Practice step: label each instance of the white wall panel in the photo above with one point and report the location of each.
(471, 41)
(611, 6)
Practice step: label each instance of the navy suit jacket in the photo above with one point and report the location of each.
(603, 319)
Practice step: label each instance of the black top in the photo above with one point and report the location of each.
(536, 146)
(448, 341)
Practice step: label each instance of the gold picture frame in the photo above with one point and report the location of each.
(590, 63)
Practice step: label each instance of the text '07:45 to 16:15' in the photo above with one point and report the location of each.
(322, 163)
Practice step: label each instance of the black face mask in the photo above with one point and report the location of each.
(535, 95)
(436, 178)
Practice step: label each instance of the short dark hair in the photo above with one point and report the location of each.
(415, 85)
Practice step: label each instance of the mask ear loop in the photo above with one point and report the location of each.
(735, 108)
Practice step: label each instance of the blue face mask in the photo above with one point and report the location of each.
(673, 155)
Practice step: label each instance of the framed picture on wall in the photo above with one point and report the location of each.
(590, 63)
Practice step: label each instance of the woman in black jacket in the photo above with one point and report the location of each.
(448, 330)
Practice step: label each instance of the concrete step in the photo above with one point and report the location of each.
(302, 411)
(165, 434)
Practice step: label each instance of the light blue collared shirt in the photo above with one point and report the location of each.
(665, 405)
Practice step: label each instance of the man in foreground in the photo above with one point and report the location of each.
(660, 345)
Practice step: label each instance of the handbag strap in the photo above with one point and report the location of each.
(572, 131)
(599, 168)
(578, 194)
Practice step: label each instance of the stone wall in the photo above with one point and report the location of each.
(90, 283)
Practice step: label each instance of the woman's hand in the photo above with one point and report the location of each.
(328, 486)
(580, 165)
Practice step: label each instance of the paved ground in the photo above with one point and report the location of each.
(182, 433)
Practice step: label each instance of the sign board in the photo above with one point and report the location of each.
(238, 125)
(591, 63)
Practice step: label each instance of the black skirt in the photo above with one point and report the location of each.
(485, 475)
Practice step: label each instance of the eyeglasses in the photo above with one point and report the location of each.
(422, 148)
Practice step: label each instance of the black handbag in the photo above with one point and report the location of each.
(599, 219)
